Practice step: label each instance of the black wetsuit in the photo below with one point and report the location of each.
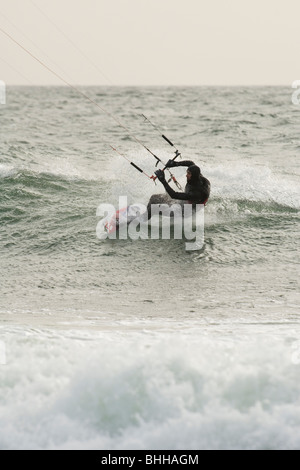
(196, 191)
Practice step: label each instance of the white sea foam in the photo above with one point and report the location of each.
(253, 183)
(6, 170)
(147, 391)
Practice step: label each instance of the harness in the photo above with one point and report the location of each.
(193, 202)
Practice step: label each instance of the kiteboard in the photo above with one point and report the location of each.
(116, 223)
(115, 220)
(121, 218)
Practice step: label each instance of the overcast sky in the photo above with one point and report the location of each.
(151, 42)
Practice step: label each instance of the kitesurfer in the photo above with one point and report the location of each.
(197, 189)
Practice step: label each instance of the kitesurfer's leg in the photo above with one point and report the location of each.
(157, 199)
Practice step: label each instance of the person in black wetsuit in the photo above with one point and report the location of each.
(197, 189)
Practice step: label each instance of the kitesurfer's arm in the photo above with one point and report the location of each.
(173, 194)
(173, 164)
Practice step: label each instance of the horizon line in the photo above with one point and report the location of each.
(146, 85)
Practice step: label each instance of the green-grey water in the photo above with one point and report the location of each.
(145, 343)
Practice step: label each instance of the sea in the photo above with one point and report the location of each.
(134, 344)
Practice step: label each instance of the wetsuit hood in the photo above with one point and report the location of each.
(195, 171)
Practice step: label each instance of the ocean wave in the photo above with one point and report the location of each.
(44, 179)
(7, 171)
(260, 185)
(169, 392)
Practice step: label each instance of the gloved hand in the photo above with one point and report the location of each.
(160, 175)
(171, 164)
